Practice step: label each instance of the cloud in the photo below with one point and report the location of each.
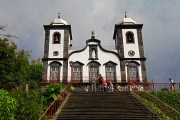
(25, 19)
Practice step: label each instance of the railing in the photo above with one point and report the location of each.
(161, 108)
(152, 86)
(7, 86)
(56, 104)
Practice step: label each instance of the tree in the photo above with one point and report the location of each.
(8, 56)
(36, 70)
(15, 66)
(7, 60)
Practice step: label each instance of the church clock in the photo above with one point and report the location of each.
(131, 53)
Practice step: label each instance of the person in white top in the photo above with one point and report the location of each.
(172, 87)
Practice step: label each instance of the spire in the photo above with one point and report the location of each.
(92, 35)
(125, 14)
(58, 14)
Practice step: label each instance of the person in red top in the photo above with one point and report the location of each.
(101, 81)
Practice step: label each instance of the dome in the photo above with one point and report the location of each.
(59, 21)
(127, 20)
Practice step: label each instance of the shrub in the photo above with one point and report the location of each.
(51, 92)
(7, 106)
(29, 105)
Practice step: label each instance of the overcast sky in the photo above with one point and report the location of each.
(161, 30)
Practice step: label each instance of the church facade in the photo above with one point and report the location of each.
(125, 63)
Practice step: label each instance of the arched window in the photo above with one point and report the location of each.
(77, 72)
(55, 71)
(110, 71)
(133, 71)
(56, 38)
(129, 37)
(93, 69)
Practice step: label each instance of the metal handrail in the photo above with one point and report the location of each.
(56, 104)
(169, 112)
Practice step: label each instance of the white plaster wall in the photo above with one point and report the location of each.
(103, 57)
(128, 47)
(60, 69)
(56, 47)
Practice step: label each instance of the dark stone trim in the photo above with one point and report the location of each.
(133, 59)
(46, 43)
(123, 73)
(56, 63)
(91, 62)
(77, 62)
(140, 43)
(46, 59)
(65, 71)
(57, 27)
(93, 40)
(98, 41)
(45, 66)
(120, 49)
(134, 62)
(66, 43)
(143, 70)
(110, 62)
(119, 26)
(120, 43)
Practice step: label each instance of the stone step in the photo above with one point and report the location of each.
(130, 117)
(117, 105)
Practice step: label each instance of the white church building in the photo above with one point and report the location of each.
(63, 64)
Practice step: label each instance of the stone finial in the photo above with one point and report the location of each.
(92, 35)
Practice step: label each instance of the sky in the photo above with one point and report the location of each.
(160, 19)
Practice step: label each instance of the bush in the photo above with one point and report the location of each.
(7, 106)
(29, 105)
(51, 92)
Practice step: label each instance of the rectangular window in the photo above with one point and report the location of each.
(93, 71)
(133, 73)
(77, 72)
(55, 73)
(110, 73)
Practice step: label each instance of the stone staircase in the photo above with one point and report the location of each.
(107, 106)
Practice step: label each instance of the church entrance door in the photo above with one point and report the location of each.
(133, 73)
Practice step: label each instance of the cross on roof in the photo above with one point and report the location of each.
(58, 14)
(125, 14)
(92, 33)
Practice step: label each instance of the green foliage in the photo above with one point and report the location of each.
(7, 60)
(35, 71)
(7, 106)
(14, 65)
(29, 104)
(16, 69)
(51, 92)
(170, 98)
(72, 87)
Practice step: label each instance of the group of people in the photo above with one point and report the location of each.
(103, 86)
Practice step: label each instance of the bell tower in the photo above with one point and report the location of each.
(57, 41)
(129, 44)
